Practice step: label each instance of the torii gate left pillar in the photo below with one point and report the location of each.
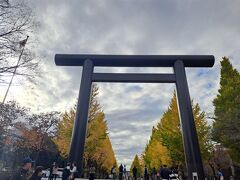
(178, 62)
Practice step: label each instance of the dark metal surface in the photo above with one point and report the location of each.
(81, 117)
(133, 78)
(135, 60)
(190, 139)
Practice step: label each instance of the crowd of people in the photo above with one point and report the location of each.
(122, 172)
(70, 172)
(23, 172)
(164, 173)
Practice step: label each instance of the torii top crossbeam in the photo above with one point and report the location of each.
(134, 60)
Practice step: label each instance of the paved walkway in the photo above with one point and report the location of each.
(75, 179)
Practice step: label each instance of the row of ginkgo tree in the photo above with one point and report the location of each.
(219, 136)
(98, 149)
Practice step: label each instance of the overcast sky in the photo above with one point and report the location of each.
(130, 27)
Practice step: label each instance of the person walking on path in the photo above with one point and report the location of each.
(51, 171)
(73, 171)
(37, 175)
(174, 174)
(154, 174)
(66, 172)
(134, 170)
(145, 173)
(120, 172)
(55, 172)
(125, 172)
(113, 171)
(220, 175)
(165, 173)
(22, 173)
(92, 172)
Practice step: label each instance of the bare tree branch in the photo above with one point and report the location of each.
(16, 22)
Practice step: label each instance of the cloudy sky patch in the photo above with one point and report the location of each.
(130, 27)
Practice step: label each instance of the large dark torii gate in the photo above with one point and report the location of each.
(178, 62)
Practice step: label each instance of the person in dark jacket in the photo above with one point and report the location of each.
(37, 175)
(22, 173)
(92, 171)
(145, 173)
(134, 170)
(121, 172)
(51, 171)
(165, 172)
(66, 172)
(154, 174)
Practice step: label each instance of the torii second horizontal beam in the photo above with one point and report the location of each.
(133, 78)
(134, 60)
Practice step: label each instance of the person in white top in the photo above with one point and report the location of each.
(55, 172)
(73, 170)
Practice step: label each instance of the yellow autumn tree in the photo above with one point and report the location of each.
(98, 149)
(165, 145)
(169, 132)
(155, 153)
(64, 132)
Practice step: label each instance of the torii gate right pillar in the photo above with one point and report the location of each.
(190, 138)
